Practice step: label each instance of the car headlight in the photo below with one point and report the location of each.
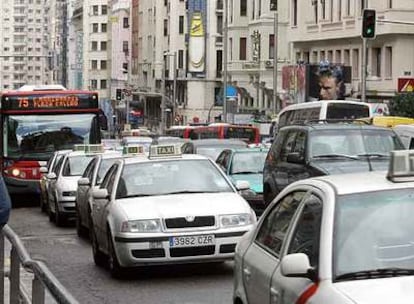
(233, 220)
(69, 193)
(141, 226)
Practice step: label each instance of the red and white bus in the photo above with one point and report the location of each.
(38, 122)
(249, 134)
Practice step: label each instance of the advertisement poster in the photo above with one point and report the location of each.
(196, 37)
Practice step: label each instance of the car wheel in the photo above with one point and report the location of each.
(59, 218)
(80, 229)
(98, 256)
(114, 267)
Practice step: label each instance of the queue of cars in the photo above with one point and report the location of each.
(326, 220)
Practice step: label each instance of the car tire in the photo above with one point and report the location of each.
(59, 218)
(115, 268)
(98, 256)
(80, 230)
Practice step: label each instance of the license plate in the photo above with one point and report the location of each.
(192, 241)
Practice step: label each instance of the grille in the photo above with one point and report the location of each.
(191, 251)
(181, 222)
(148, 253)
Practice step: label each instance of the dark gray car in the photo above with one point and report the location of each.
(303, 151)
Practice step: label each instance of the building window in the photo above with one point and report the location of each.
(180, 59)
(104, 9)
(231, 48)
(294, 12)
(389, 3)
(103, 84)
(125, 48)
(243, 48)
(126, 22)
(323, 3)
(388, 62)
(271, 46)
(181, 25)
(103, 45)
(95, 27)
(315, 9)
(95, 10)
(165, 27)
(103, 64)
(339, 10)
(348, 7)
(355, 63)
(376, 62)
(94, 64)
(243, 7)
(346, 57)
(338, 58)
(103, 27)
(94, 45)
(94, 84)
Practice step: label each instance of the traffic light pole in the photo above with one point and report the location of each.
(364, 70)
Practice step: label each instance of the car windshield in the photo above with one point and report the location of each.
(355, 142)
(251, 162)
(166, 177)
(373, 230)
(38, 136)
(75, 165)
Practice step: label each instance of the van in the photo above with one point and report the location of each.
(406, 134)
(322, 110)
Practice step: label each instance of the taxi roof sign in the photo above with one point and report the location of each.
(133, 150)
(90, 149)
(401, 167)
(79, 147)
(157, 151)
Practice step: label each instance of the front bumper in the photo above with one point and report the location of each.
(22, 187)
(156, 250)
(67, 207)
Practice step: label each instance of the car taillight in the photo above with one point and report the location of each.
(305, 296)
(22, 170)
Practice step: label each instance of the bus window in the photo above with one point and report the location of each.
(347, 111)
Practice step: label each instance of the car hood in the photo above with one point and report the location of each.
(179, 205)
(396, 290)
(255, 180)
(348, 166)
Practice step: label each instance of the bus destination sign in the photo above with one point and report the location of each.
(49, 102)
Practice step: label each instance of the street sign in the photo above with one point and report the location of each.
(231, 92)
(405, 85)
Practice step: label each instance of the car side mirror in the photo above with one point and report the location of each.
(100, 193)
(242, 185)
(297, 265)
(296, 158)
(84, 181)
(43, 170)
(51, 175)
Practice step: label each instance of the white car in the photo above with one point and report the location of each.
(166, 208)
(63, 183)
(334, 239)
(91, 177)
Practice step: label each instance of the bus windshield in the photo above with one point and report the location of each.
(38, 136)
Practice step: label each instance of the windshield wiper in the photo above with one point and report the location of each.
(373, 155)
(375, 274)
(331, 155)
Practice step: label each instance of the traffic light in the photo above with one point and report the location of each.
(118, 94)
(368, 23)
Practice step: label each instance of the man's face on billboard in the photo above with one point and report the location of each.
(328, 88)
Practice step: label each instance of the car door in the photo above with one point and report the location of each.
(303, 238)
(83, 191)
(263, 255)
(99, 205)
(290, 163)
(223, 160)
(52, 183)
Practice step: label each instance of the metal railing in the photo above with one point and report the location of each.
(43, 279)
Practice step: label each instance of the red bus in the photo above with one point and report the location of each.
(179, 131)
(38, 122)
(249, 134)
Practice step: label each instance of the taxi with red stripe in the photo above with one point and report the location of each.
(345, 238)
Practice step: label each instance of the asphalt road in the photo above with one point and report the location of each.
(70, 260)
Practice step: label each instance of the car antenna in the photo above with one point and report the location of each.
(365, 150)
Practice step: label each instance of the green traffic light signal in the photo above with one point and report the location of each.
(368, 23)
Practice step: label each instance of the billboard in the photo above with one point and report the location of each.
(197, 12)
(308, 82)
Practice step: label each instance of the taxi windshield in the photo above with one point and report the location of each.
(171, 177)
(373, 231)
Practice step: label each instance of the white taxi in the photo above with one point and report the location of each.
(63, 182)
(166, 208)
(334, 239)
